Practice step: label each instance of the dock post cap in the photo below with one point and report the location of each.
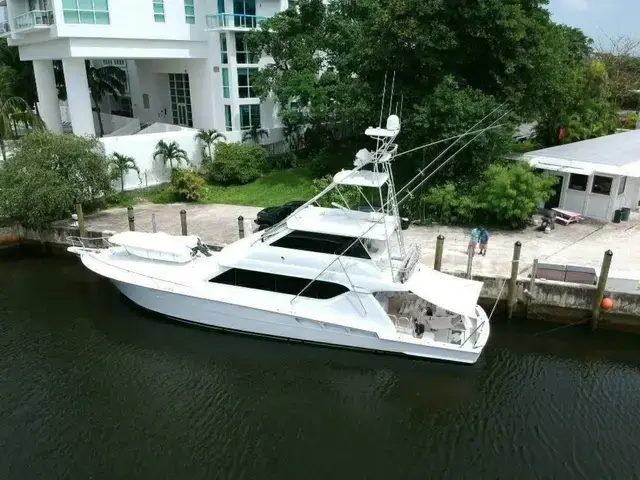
(518, 243)
(608, 253)
(440, 237)
(183, 212)
(240, 217)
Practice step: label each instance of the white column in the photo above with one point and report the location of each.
(48, 105)
(136, 91)
(233, 81)
(202, 95)
(78, 96)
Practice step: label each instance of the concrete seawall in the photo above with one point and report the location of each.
(560, 302)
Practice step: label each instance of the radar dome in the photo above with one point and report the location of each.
(393, 122)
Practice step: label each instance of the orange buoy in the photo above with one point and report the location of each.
(607, 303)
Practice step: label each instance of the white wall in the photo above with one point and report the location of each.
(141, 148)
(163, 128)
(156, 86)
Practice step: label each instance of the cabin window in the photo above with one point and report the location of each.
(601, 185)
(280, 283)
(322, 243)
(623, 185)
(578, 182)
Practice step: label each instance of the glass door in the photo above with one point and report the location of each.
(180, 99)
(182, 114)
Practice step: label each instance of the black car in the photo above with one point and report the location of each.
(404, 222)
(272, 215)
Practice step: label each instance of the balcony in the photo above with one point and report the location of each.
(231, 21)
(5, 29)
(32, 21)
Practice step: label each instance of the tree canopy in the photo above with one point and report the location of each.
(48, 174)
(451, 63)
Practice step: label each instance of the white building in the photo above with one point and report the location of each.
(596, 177)
(186, 60)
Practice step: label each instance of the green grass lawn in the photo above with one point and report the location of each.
(274, 188)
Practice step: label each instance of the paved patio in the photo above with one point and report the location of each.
(579, 244)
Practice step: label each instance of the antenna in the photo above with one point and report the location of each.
(393, 86)
(384, 91)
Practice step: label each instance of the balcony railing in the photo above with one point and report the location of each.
(34, 19)
(5, 29)
(232, 21)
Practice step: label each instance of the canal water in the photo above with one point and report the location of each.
(92, 387)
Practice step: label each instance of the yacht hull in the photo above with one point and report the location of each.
(248, 320)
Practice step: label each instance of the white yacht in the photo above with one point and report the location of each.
(325, 274)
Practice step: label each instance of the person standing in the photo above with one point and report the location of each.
(484, 239)
(475, 238)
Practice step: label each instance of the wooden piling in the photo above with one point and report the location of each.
(154, 226)
(241, 226)
(513, 280)
(132, 224)
(437, 262)
(532, 286)
(470, 253)
(81, 224)
(602, 283)
(183, 221)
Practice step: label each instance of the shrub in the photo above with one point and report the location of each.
(509, 194)
(329, 162)
(345, 193)
(282, 161)
(48, 174)
(631, 121)
(237, 163)
(187, 185)
(447, 205)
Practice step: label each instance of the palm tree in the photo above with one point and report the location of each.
(208, 138)
(102, 81)
(23, 83)
(255, 134)
(120, 165)
(170, 152)
(15, 111)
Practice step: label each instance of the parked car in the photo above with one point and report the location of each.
(404, 221)
(272, 215)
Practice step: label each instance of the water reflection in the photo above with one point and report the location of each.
(91, 386)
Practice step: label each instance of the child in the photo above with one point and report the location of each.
(484, 239)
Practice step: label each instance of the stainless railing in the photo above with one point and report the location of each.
(232, 20)
(32, 19)
(96, 243)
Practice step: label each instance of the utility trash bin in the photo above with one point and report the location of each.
(625, 213)
(617, 216)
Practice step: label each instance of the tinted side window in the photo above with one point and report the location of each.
(280, 283)
(322, 243)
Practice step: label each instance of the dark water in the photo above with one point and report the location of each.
(91, 387)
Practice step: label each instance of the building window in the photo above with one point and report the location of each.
(224, 57)
(601, 185)
(245, 90)
(227, 118)
(126, 107)
(623, 185)
(243, 55)
(180, 99)
(578, 182)
(189, 12)
(86, 11)
(322, 243)
(249, 116)
(220, 6)
(226, 88)
(305, 287)
(145, 101)
(158, 11)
